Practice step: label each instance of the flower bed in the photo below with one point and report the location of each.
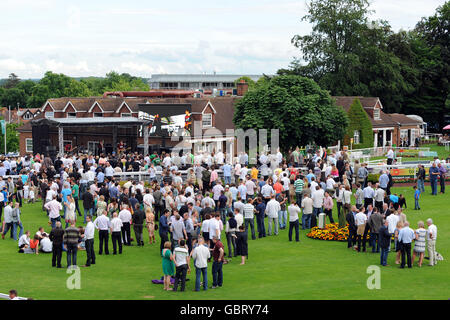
(332, 232)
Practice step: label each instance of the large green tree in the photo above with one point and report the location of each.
(349, 54)
(430, 42)
(302, 111)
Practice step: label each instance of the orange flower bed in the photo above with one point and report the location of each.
(332, 232)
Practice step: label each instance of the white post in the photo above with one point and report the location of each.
(145, 127)
(384, 138)
(375, 140)
(61, 140)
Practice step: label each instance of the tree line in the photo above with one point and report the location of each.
(33, 94)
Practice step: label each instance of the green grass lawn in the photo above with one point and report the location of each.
(276, 269)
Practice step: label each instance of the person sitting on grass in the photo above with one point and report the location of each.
(24, 243)
(46, 245)
(34, 244)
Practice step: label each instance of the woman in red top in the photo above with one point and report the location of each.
(34, 244)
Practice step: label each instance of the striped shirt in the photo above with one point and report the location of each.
(298, 184)
(71, 236)
(248, 211)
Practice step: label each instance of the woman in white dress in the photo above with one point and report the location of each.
(70, 211)
(419, 245)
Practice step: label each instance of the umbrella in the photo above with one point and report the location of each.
(447, 127)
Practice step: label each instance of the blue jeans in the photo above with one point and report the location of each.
(223, 214)
(298, 198)
(306, 221)
(72, 254)
(282, 217)
(416, 204)
(251, 221)
(260, 225)
(227, 180)
(315, 215)
(54, 221)
(217, 274)
(433, 183)
(421, 185)
(198, 273)
(88, 212)
(383, 256)
(373, 240)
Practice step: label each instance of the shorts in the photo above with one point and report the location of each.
(360, 230)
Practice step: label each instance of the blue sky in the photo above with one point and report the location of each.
(82, 38)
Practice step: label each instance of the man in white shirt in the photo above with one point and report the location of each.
(125, 216)
(238, 217)
(249, 217)
(431, 241)
(360, 221)
(89, 241)
(390, 156)
(317, 198)
(46, 245)
(201, 254)
(307, 205)
(214, 227)
(116, 228)
(293, 211)
(181, 257)
(102, 224)
(148, 200)
(272, 209)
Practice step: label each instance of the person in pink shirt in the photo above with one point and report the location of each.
(53, 207)
(214, 175)
(328, 206)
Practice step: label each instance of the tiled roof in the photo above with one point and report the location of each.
(346, 101)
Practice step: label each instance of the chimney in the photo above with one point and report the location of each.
(242, 88)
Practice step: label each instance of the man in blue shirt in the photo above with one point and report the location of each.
(64, 193)
(434, 173)
(100, 178)
(164, 228)
(384, 181)
(405, 237)
(310, 175)
(226, 173)
(260, 212)
(416, 198)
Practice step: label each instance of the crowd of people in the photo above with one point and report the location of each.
(188, 204)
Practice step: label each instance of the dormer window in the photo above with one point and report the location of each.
(98, 114)
(28, 116)
(207, 120)
(376, 114)
(49, 114)
(71, 115)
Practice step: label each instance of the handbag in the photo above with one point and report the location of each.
(156, 226)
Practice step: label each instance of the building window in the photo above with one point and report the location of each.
(29, 145)
(184, 85)
(28, 116)
(168, 85)
(376, 114)
(98, 114)
(125, 115)
(71, 115)
(209, 85)
(228, 84)
(49, 114)
(356, 137)
(207, 120)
